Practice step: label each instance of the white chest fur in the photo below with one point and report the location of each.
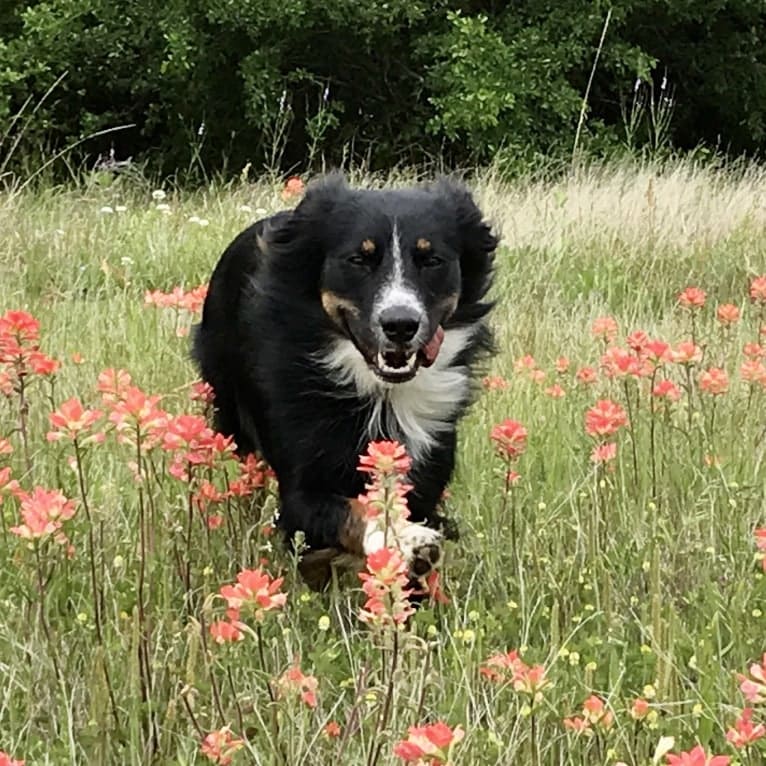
(415, 411)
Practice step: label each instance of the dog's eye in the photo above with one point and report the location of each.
(430, 261)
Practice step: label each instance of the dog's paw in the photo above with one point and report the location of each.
(421, 548)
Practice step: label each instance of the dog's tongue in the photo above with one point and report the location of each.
(431, 350)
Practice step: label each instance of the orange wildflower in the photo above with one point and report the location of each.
(714, 381)
(727, 314)
(219, 746)
(758, 290)
(692, 298)
(430, 745)
(510, 438)
(697, 757)
(744, 731)
(605, 418)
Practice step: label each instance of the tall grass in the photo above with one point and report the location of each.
(637, 582)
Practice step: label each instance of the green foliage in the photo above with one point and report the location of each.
(286, 83)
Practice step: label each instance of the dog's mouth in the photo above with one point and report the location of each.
(399, 365)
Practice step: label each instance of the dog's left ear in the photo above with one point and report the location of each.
(477, 241)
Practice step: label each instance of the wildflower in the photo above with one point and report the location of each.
(18, 327)
(194, 443)
(136, 415)
(158, 195)
(577, 725)
(223, 632)
(71, 421)
(219, 746)
(619, 362)
(687, 352)
(758, 290)
(525, 364)
(605, 328)
(697, 757)
(562, 365)
(112, 385)
(596, 713)
(760, 541)
(7, 485)
(5, 446)
(727, 314)
(294, 187)
(754, 688)
(253, 474)
(43, 513)
(604, 453)
(666, 389)
(692, 298)
(744, 732)
(386, 457)
(639, 709)
(331, 729)
(657, 352)
(431, 744)
(385, 585)
(6, 760)
(637, 340)
(509, 668)
(201, 391)
(753, 371)
(555, 391)
(604, 418)
(714, 381)
(293, 681)
(754, 350)
(586, 375)
(433, 588)
(510, 439)
(256, 589)
(494, 383)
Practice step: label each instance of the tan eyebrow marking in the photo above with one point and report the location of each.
(367, 247)
(423, 245)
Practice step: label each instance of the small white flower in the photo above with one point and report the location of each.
(260, 211)
(106, 210)
(158, 195)
(126, 261)
(245, 209)
(120, 208)
(162, 207)
(199, 221)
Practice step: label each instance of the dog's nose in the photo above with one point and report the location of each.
(400, 323)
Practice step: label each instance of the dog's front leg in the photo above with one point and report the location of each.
(333, 525)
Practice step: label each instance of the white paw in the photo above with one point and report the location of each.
(421, 547)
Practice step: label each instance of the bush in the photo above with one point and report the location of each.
(288, 83)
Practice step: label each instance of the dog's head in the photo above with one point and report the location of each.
(391, 268)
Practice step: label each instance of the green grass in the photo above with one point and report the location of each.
(613, 583)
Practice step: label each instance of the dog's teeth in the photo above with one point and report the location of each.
(381, 360)
(411, 361)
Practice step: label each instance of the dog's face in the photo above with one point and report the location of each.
(392, 267)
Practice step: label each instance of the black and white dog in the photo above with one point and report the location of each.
(358, 316)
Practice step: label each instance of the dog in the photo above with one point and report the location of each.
(360, 315)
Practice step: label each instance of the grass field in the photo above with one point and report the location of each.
(637, 578)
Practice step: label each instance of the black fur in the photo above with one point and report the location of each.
(264, 329)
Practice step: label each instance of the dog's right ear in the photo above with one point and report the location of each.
(300, 233)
